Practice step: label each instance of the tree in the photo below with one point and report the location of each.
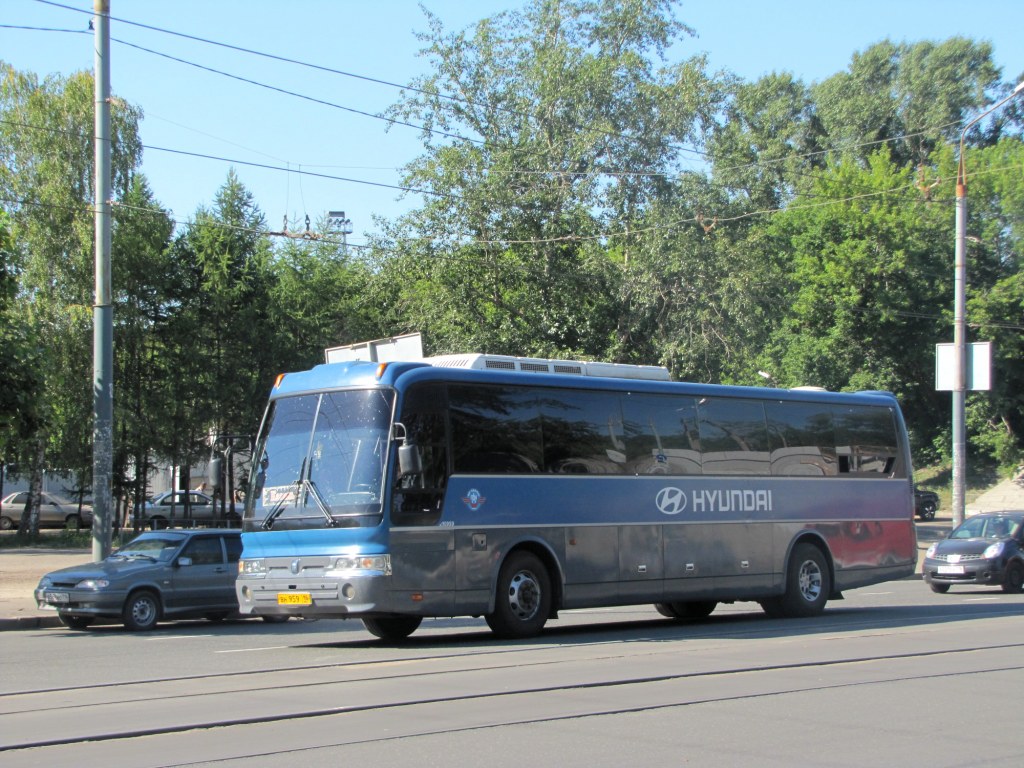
(46, 144)
(562, 130)
(920, 92)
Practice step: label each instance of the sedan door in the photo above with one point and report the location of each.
(207, 582)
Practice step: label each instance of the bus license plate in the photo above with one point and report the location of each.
(951, 569)
(294, 598)
(58, 597)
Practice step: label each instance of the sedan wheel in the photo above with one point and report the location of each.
(1014, 581)
(141, 611)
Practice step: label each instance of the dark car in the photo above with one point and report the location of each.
(985, 549)
(158, 575)
(926, 503)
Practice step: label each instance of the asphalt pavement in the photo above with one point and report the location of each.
(21, 569)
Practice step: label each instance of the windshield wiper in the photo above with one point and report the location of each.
(268, 522)
(326, 510)
(300, 486)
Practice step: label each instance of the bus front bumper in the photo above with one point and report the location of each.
(314, 592)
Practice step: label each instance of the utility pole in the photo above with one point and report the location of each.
(960, 383)
(337, 221)
(103, 309)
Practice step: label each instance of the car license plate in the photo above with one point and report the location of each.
(951, 569)
(294, 598)
(58, 597)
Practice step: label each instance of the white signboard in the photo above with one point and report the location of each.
(408, 347)
(979, 366)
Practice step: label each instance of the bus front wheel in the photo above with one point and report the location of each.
(808, 585)
(392, 628)
(523, 599)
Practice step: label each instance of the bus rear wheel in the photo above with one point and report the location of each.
(392, 628)
(694, 609)
(808, 585)
(523, 599)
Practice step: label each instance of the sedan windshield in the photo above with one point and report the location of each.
(320, 461)
(988, 527)
(149, 547)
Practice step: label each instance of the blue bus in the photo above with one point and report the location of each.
(514, 488)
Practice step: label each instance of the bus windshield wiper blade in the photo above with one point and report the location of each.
(268, 522)
(326, 510)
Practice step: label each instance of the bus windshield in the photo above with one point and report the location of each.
(320, 461)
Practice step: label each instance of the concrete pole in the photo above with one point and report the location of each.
(960, 350)
(103, 310)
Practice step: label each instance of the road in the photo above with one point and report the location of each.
(893, 674)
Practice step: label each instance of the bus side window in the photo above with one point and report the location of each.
(660, 435)
(802, 439)
(417, 498)
(866, 441)
(733, 436)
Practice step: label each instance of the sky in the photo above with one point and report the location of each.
(350, 162)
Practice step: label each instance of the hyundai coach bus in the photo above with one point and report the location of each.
(514, 488)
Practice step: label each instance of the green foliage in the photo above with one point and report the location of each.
(562, 215)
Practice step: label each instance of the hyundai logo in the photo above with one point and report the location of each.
(671, 501)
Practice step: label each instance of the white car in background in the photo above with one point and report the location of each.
(186, 508)
(54, 512)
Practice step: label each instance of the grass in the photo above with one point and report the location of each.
(939, 478)
(64, 538)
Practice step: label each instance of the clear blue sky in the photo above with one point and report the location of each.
(198, 111)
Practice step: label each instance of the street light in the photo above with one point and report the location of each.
(960, 323)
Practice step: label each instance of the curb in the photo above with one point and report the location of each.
(30, 622)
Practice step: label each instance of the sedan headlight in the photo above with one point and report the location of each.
(994, 550)
(45, 582)
(931, 550)
(380, 563)
(252, 568)
(92, 584)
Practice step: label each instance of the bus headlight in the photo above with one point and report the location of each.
(381, 563)
(252, 568)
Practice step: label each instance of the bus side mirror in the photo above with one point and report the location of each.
(410, 461)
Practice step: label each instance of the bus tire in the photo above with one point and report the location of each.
(522, 601)
(807, 585)
(693, 609)
(141, 611)
(392, 628)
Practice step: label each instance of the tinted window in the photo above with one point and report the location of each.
(204, 551)
(660, 435)
(582, 432)
(234, 547)
(418, 497)
(865, 440)
(733, 437)
(495, 429)
(802, 439)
